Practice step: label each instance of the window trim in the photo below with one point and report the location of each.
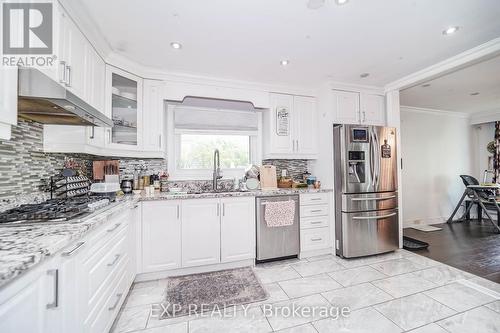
(173, 141)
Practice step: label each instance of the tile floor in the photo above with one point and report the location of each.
(395, 292)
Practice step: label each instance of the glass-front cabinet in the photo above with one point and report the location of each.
(124, 106)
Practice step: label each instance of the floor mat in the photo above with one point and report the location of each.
(426, 228)
(196, 293)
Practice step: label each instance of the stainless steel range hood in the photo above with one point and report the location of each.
(43, 100)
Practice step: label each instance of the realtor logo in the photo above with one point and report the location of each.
(27, 28)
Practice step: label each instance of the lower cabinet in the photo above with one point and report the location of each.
(196, 232)
(161, 235)
(237, 229)
(200, 232)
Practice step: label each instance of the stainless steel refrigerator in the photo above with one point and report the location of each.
(366, 197)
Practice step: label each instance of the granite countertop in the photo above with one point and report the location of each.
(24, 246)
(257, 193)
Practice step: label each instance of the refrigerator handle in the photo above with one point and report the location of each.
(371, 157)
(377, 159)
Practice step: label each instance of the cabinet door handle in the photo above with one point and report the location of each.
(73, 250)
(55, 277)
(297, 145)
(114, 227)
(62, 71)
(67, 76)
(178, 212)
(117, 257)
(223, 209)
(218, 209)
(364, 116)
(316, 239)
(159, 140)
(92, 132)
(118, 298)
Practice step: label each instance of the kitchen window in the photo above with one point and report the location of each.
(197, 132)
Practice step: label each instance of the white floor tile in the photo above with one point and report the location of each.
(132, 319)
(486, 283)
(365, 320)
(279, 316)
(309, 285)
(422, 261)
(495, 306)
(317, 267)
(276, 294)
(397, 267)
(414, 311)
(403, 285)
(307, 328)
(252, 321)
(430, 328)
(144, 296)
(357, 297)
(175, 328)
(357, 275)
(459, 297)
(481, 320)
(276, 273)
(443, 274)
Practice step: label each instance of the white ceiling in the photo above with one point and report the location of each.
(246, 39)
(452, 92)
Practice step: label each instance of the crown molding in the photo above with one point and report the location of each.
(436, 112)
(472, 56)
(356, 87)
(485, 117)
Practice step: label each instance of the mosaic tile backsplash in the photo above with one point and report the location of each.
(25, 169)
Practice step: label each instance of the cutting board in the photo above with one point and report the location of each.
(268, 179)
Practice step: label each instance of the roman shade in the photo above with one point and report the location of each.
(189, 118)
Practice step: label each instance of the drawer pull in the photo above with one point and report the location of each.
(316, 239)
(74, 250)
(316, 210)
(315, 199)
(55, 299)
(373, 199)
(118, 298)
(373, 217)
(114, 228)
(135, 206)
(114, 261)
(317, 222)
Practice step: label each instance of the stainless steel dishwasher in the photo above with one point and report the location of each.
(276, 242)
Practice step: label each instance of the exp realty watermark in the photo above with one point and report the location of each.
(168, 310)
(27, 34)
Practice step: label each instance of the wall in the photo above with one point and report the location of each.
(481, 136)
(436, 149)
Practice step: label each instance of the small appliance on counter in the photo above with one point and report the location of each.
(106, 190)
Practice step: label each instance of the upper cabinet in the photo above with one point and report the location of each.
(289, 127)
(124, 107)
(358, 108)
(153, 115)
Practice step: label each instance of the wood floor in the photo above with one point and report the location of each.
(469, 246)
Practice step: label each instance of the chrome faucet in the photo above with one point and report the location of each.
(217, 171)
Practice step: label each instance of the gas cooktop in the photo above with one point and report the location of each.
(53, 210)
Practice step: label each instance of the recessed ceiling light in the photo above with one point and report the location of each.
(474, 93)
(341, 2)
(425, 85)
(450, 30)
(364, 75)
(176, 45)
(284, 62)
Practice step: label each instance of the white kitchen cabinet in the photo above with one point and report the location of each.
(290, 127)
(237, 229)
(161, 235)
(200, 232)
(315, 228)
(358, 108)
(153, 109)
(33, 304)
(124, 93)
(8, 103)
(373, 109)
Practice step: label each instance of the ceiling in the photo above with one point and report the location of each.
(246, 39)
(452, 92)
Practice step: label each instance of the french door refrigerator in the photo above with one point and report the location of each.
(365, 190)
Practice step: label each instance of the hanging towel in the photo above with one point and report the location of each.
(279, 213)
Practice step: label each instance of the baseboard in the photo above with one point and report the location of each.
(141, 277)
(314, 253)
